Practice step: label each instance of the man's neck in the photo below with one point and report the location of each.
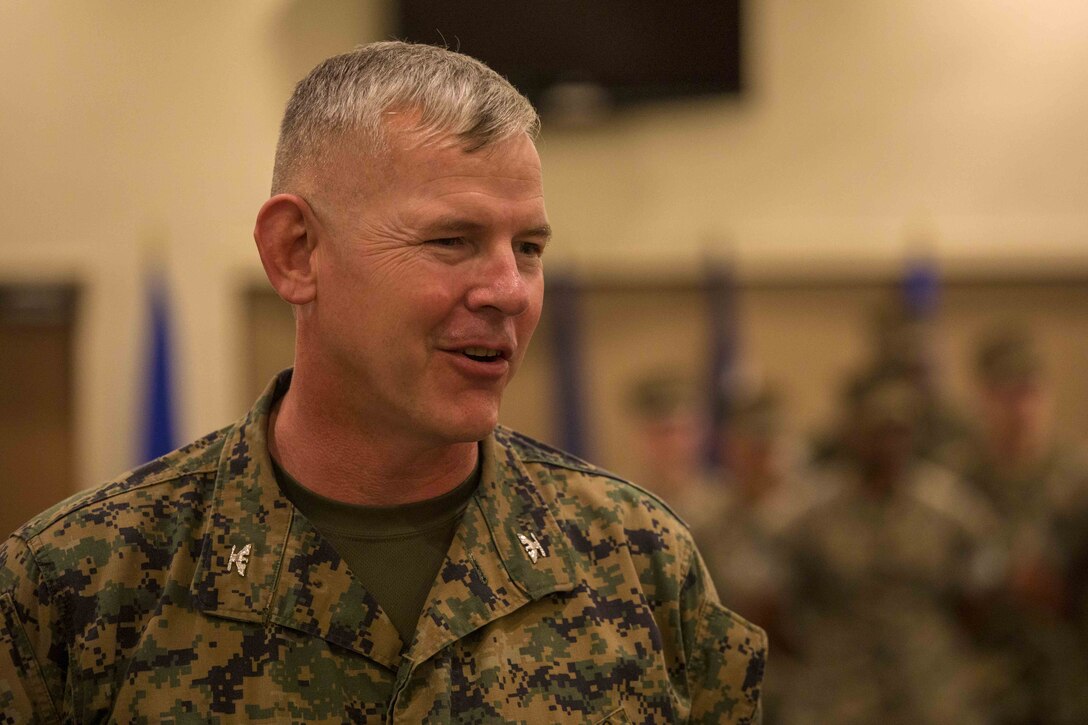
(350, 464)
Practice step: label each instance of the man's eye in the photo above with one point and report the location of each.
(531, 249)
(446, 241)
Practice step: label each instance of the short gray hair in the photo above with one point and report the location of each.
(452, 94)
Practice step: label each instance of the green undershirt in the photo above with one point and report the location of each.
(394, 551)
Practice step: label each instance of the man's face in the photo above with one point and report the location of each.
(751, 455)
(670, 442)
(429, 282)
(1014, 409)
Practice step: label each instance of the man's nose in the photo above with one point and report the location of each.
(499, 283)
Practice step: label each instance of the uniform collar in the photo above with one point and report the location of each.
(248, 520)
(490, 570)
(262, 561)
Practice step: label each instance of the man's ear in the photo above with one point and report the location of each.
(285, 237)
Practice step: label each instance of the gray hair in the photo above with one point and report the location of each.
(452, 94)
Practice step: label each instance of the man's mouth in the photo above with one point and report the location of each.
(482, 354)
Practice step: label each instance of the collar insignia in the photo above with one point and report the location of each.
(240, 559)
(533, 548)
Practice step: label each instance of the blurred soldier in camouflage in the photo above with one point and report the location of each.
(669, 437)
(905, 342)
(1039, 487)
(367, 545)
(764, 488)
(881, 564)
(761, 494)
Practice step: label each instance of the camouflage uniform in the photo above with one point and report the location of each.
(742, 543)
(1042, 645)
(877, 583)
(190, 590)
(1036, 625)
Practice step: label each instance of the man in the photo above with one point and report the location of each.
(1038, 484)
(763, 488)
(904, 340)
(272, 571)
(669, 437)
(882, 565)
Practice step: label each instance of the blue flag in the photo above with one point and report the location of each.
(921, 288)
(158, 430)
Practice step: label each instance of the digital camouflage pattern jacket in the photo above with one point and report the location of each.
(190, 590)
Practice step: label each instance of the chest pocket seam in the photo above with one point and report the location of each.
(616, 717)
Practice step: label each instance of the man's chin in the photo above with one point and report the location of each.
(470, 428)
(479, 431)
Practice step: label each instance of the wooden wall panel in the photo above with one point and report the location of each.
(36, 427)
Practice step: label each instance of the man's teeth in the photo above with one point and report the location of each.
(481, 352)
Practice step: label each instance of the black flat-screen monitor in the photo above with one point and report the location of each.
(622, 51)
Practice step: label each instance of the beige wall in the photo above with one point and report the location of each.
(868, 122)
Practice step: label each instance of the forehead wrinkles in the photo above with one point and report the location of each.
(411, 164)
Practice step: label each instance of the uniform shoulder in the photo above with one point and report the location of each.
(601, 481)
(196, 458)
(947, 495)
(531, 450)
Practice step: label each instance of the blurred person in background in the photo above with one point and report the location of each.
(669, 433)
(882, 565)
(904, 341)
(1039, 487)
(762, 489)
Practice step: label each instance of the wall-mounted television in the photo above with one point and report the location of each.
(615, 52)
